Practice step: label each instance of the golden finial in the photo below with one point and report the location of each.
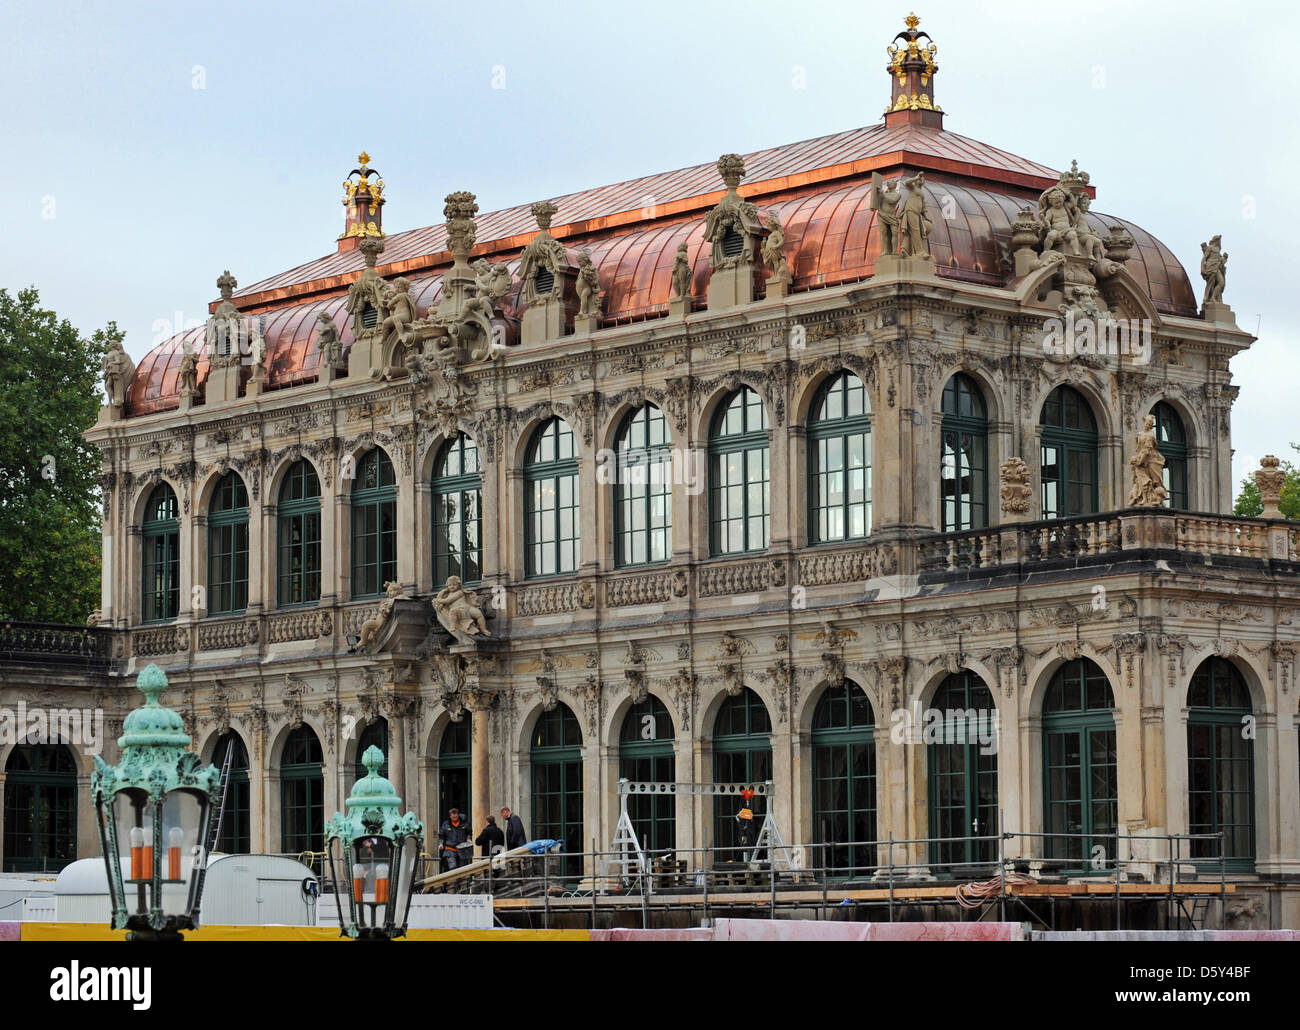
(912, 21)
(364, 158)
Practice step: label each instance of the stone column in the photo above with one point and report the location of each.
(480, 703)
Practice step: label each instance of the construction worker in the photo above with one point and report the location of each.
(747, 835)
(491, 840)
(452, 838)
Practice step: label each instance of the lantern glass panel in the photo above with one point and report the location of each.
(409, 855)
(372, 880)
(341, 874)
(181, 855)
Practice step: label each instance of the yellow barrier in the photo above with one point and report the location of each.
(99, 932)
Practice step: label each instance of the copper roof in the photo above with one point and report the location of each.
(818, 188)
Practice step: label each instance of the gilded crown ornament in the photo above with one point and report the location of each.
(363, 198)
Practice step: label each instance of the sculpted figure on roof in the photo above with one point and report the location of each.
(914, 223)
(328, 345)
(401, 312)
(773, 257)
(369, 291)
(544, 252)
(189, 373)
(1089, 242)
(884, 201)
(1214, 264)
(118, 368)
(732, 215)
(1056, 212)
(682, 273)
(588, 287)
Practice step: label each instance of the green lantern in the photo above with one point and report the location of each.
(373, 852)
(153, 809)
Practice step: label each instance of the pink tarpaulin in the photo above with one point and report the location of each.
(820, 930)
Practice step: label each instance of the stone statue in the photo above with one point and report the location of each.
(328, 344)
(914, 223)
(258, 352)
(458, 610)
(401, 311)
(772, 256)
(732, 214)
(1270, 479)
(491, 283)
(369, 290)
(544, 252)
(189, 373)
(1016, 491)
(1089, 242)
(588, 286)
(682, 272)
(1056, 209)
(118, 369)
(1214, 263)
(884, 201)
(1148, 467)
(371, 627)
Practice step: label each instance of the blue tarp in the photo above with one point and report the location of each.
(540, 847)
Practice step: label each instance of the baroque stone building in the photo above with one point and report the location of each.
(746, 467)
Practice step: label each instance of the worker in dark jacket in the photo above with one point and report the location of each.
(452, 837)
(491, 839)
(515, 836)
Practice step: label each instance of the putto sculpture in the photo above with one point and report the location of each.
(1148, 469)
(371, 627)
(773, 258)
(588, 287)
(458, 610)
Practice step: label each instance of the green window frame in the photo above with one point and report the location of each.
(963, 464)
(374, 525)
(844, 781)
(1068, 475)
(1171, 440)
(551, 504)
(742, 753)
(160, 536)
(963, 779)
(455, 775)
(1221, 764)
(643, 492)
(236, 824)
(556, 761)
(302, 793)
(374, 735)
(457, 490)
(646, 755)
(40, 810)
(228, 547)
(839, 461)
(740, 476)
(298, 516)
(1080, 771)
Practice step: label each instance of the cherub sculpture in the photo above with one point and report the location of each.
(588, 286)
(458, 610)
(371, 627)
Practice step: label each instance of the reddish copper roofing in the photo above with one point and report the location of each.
(819, 189)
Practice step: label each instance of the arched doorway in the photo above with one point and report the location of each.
(557, 783)
(235, 837)
(844, 780)
(454, 770)
(963, 766)
(742, 753)
(1221, 764)
(40, 808)
(302, 793)
(645, 754)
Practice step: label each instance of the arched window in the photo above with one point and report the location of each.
(457, 512)
(643, 493)
(742, 753)
(963, 467)
(228, 547)
(40, 828)
(1080, 790)
(1069, 456)
(374, 735)
(1171, 439)
(454, 769)
(374, 525)
(557, 783)
(1221, 764)
(645, 754)
(739, 476)
(839, 461)
(298, 513)
(844, 780)
(962, 747)
(551, 502)
(236, 826)
(302, 793)
(160, 535)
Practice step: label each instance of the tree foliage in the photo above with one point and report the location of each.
(1250, 504)
(49, 490)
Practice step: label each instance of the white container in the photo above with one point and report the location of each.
(429, 912)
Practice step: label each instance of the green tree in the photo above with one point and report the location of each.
(1250, 504)
(49, 489)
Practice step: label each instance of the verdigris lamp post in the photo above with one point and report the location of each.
(372, 852)
(153, 810)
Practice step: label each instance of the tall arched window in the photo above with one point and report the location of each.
(40, 828)
(374, 525)
(963, 467)
(739, 476)
(457, 512)
(302, 793)
(1069, 455)
(742, 753)
(454, 769)
(844, 780)
(643, 492)
(645, 754)
(1080, 790)
(236, 822)
(228, 547)
(1171, 439)
(839, 461)
(298, 513)
(962, 749)
(551, 502)
(557, 783)
(161, 535)
(1221, 764)
(374, 735)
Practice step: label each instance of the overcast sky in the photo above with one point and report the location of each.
(151, 146)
